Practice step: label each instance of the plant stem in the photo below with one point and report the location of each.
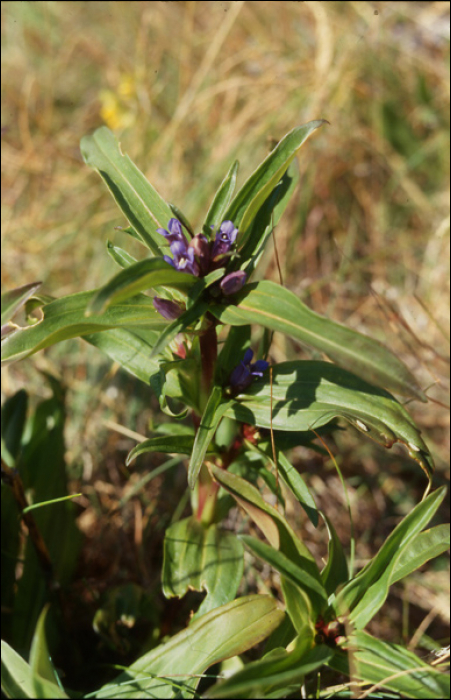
(206, 489)
(208, 355)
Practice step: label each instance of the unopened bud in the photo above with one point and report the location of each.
(167, 308)
(233, 282)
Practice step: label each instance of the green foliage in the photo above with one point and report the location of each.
(139, 201)
(35, 454)
(393, 667)
(241, 408)
(172, 669)
(261, 303)
(202, 559)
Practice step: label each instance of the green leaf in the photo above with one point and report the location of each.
(141, 204)
(202, 559)
(274, 307)
(393, 667)
(336, 572)
(128, 349)
(130, 231)
(214, 410)
(14, 413)
(267, 218)
(65, 318)
(299, 608)
(276, 530)
(188, 318)
(120, 256)
(43, 473)
(142, 275)
(12, 301)
(289, 569)
(181, 217)
(220, 634)
(215, 214)
(427, 545)
(297, 485)
(260, 184)
(291, 478)
(20, 681)
(275, 671)
(36, 679)
(202, 284)
(43, 672)
(177, 444)
(364, 595)
(17, 677)
(308, 394)
(132, 352)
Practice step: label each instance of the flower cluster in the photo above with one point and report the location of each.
(200, 256)
(244, 373)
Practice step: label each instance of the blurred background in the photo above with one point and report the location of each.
(188, 87)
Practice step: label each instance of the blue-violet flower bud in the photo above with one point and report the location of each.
(233, 282)
(167, 308)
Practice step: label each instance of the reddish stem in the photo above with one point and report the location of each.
(208, 355)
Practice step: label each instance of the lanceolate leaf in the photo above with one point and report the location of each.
(65, 318)
(172, 669)
(120, 256)
(202, 559)
(277, 532)
(285, 566)
(291, 477)
(336, 572)
(136, 278)
(308, 394)
(274, 307)
(44, 675)
(132, 350)
(257, 188)
(267, 218)
(363, 596)
(214, 410)
(14, 299)
(144, 208)
(215, 215)
(277, 670)
(427, 545)
(393, 667)
(19, 680)
(179, 444)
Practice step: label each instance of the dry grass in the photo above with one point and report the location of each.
(190, 86)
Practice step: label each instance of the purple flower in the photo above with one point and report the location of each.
(167, 308)
(199, 256)
(224, 239)
(184, 258)
(184, 253)
(175, 232)
(232, 283)
(245, 372)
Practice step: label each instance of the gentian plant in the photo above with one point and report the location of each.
(187, 320)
